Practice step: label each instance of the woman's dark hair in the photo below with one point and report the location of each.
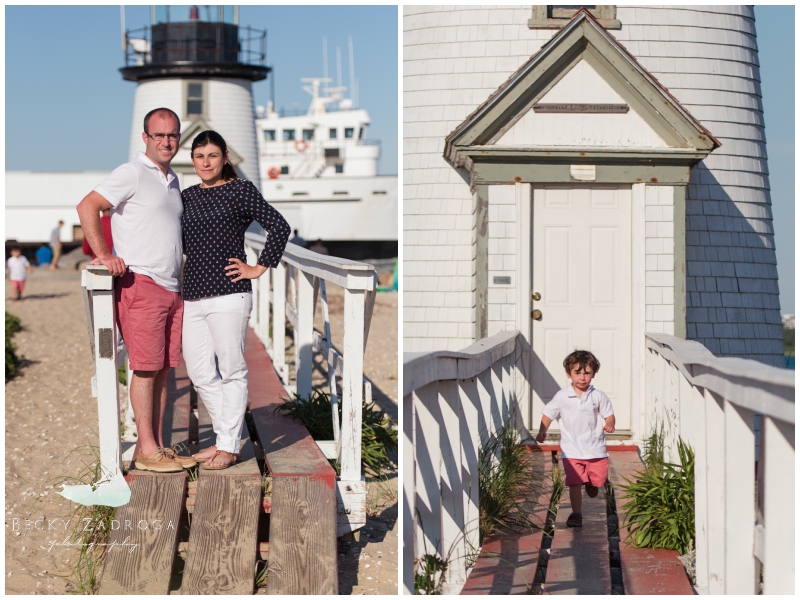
(212, 137)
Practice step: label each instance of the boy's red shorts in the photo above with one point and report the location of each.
(18, 284)
(592, 470)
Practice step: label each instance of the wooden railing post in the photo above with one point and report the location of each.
(777, 456)
(304, 340)
(453, 523)
(471, 441)
(279, 320)
(700, 487)
(428, 517)
(352, 383)
(715, 476)
(740, 565)
(409, 497)
(98, 279)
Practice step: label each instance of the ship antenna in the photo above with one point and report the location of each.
(352, 72)
(338, 67)
(325, 61)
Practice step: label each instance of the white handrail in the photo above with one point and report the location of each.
(451, 401)
(308, 272)
(711, 403)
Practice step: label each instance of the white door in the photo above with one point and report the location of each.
(582, 271)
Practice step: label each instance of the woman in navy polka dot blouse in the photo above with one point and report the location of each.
(216, 287)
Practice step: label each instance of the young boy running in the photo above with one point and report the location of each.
(18, 267)
(584, 413)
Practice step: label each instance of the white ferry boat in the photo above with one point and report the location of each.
(320, 170)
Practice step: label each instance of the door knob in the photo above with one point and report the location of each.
(536, 315)
(536, 296)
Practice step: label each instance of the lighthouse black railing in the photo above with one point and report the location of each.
(195, 41)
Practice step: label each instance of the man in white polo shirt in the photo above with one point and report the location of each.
(146, 208)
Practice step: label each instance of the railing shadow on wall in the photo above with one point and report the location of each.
(451, 402)
(289, 293)
(713, 404)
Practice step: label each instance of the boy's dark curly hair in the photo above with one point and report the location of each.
(582, 358)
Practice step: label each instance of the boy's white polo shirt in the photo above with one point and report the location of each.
(581, 421)
(146, 219)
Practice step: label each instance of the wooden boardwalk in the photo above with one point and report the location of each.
(579, 560)
(227, 506)
(157, 500)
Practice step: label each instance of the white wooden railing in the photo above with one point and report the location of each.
(289, 292)
(451, 401)
(712, 404)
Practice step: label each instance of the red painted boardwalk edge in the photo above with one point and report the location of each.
(507, 563)
(644, 570)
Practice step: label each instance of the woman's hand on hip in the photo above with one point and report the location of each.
(239, 270)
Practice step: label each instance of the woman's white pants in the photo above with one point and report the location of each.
(213, 347)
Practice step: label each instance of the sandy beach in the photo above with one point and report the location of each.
(50, 413)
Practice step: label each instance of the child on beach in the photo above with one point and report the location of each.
(584, 413)
(18, 268)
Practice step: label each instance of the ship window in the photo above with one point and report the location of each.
(332, 133)
(308, 134)
(288, 135)
(348, 132)
(269, 135)
(195, 98)
(284, 170)
(339, 168)
(361, 133)
(331, 153)
(556, 16)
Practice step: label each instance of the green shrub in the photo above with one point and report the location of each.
(430, 575)
(378, 438)
(506, 483)
(659, 512)
(788, 341)
(13, 325)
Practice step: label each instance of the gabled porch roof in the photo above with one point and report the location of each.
(478, 138)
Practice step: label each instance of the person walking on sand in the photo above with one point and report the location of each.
(146, 209)
(18, 269)
(217, 292)
(55, 244)
(584, 414)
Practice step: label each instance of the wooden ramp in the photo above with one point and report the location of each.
(302, 544)
(579, 558)
(644, 570)
(151, 519)
(221, 554)
(508, 563)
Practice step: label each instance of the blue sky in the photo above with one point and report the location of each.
(68, 108)
(775, 31)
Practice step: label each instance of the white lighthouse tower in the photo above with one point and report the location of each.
(197, 61)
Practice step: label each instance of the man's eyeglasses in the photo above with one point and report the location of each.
(159, 137)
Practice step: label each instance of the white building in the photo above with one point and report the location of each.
(586, 181)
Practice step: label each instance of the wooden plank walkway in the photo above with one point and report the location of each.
(644, 570)
(157, 499)
(508, 563)
(221, 554)
(302, 544)
(579, 559)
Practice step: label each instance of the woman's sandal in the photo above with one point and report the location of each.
(219, 467)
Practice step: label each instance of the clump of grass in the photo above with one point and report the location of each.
(13, 325)
(92, 529)
(659, 512)
(506, 483)
(260, 578)
(378, 437)
(429, 576)
(558, 487)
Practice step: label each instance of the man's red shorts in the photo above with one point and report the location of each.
(592, 470)
(150, 319)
